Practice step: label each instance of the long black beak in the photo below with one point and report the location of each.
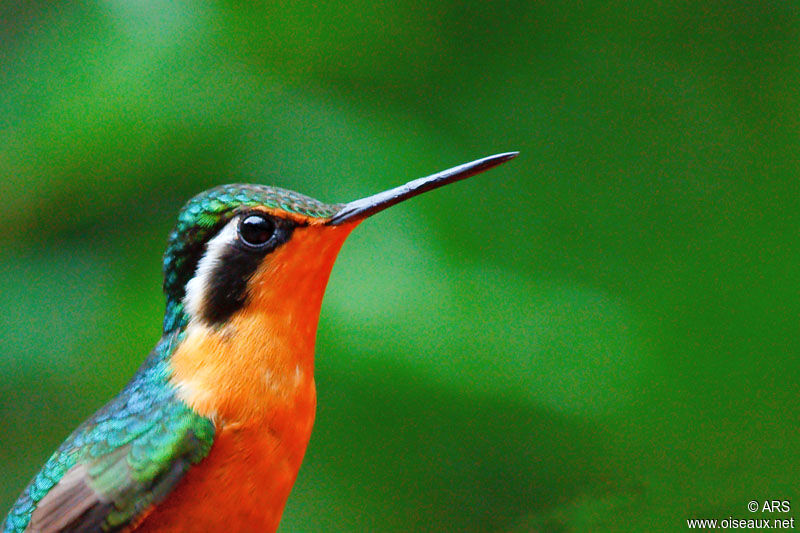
(370, 205)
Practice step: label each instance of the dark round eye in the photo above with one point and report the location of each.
(256, 230)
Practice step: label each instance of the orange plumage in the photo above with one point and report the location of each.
(254, 377)
(210, 432)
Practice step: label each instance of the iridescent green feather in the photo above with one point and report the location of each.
(139, 445)
(127, 446)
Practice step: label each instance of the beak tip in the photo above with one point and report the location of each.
(505, 156)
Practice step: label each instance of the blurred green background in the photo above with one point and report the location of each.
(599, 335)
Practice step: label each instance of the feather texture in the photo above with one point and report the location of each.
(121, 461)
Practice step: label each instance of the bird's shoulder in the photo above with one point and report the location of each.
(121, 461)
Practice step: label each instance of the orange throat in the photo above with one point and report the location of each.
(254, 377)
(261, 362)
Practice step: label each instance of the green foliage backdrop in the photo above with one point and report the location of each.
(600, 335)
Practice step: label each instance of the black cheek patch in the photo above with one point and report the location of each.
(226, 292)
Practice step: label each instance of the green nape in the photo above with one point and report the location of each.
(204, 215)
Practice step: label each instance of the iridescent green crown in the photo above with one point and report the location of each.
(204, 215)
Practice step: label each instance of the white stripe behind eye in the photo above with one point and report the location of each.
(197, 287)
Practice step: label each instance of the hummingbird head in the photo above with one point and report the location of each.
(222, 236)
(233, 242)
(244, 275)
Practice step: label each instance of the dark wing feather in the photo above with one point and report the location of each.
(109, 501)
(68, 503)
(120, 462)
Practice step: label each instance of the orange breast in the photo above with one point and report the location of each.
(244, 482)
(254, 377)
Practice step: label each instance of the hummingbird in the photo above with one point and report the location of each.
(210, 432)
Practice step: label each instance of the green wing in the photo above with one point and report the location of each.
(124, 459)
